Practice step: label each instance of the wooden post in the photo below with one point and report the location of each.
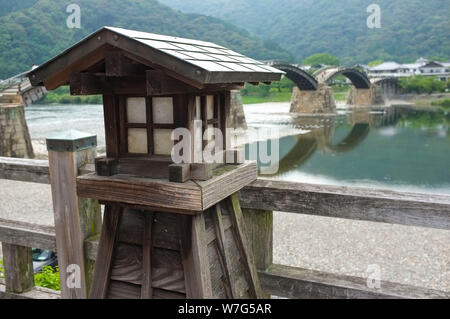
(18, 261)
(259, 227)
(75, 218)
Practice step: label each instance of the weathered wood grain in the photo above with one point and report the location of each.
(243, 243)
(223, 253)
(413, 209)
(227, 180)
(24, 170)
(141, 191)
(290, 282)
(18, 263)
(123, 290)
(165, 229)
(108, 237)
(167, 270)
(34, 293)
(126, 264)
(195, 260)
(28, 235)
(259, 226)
(147, 251)
(75, 218)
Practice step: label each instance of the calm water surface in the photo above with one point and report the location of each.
(396, 148)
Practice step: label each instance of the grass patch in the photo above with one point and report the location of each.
(271, 97)
(445, 103)
(48, 278)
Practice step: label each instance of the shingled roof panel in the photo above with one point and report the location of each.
(200, 61)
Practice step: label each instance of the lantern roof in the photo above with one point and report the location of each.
(198, 61)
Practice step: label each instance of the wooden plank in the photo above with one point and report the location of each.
(18, 263)
(28, 235)
(24, 170)
(147, 249)
(243, 244)
(163, 294)
(111, 220)
(89, 84)
(149, 192)
(127, 264)
(34, 293)
(75, 218)
(223, 252)
(123, 290)
(290, 282)
(230, 179)
(167, 270)
(195, 260)
(119, 65)
(165, 229)
(413, 209)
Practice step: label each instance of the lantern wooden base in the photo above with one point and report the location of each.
(148, 254)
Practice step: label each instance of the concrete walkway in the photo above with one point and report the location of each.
(409, 255)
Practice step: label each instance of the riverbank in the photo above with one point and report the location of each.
(62, 96)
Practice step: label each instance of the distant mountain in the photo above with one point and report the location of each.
(32, 31)
(409, 28)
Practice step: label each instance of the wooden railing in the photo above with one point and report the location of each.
(258, 201)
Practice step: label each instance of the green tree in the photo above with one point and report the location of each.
(422, 84)
(321, 58)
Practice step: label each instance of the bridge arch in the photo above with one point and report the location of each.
(357, 135)
(303, 80)
(358, 78)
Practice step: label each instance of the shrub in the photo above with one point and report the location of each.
(48, 278)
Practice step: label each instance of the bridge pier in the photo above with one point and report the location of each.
(15, 138)
(364, 97)
(318, 101)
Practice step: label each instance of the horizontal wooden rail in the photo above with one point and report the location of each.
(413, 209)
(24, 170)
(278, 280)
(291, 282)
(27, 235)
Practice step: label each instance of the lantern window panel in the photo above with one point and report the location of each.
(137, 141)
(136, 109)
(162, 141)
(162, 110)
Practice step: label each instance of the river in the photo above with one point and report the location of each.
(395, 148)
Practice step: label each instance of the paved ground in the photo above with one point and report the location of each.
(410, 255)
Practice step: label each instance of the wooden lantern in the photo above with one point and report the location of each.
(169, 230)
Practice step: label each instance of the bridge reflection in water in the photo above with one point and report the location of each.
(373, 147)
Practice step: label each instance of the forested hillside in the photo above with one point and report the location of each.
(409, 28)
(32, 31)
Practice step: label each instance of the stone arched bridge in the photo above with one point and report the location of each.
(313, 93)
